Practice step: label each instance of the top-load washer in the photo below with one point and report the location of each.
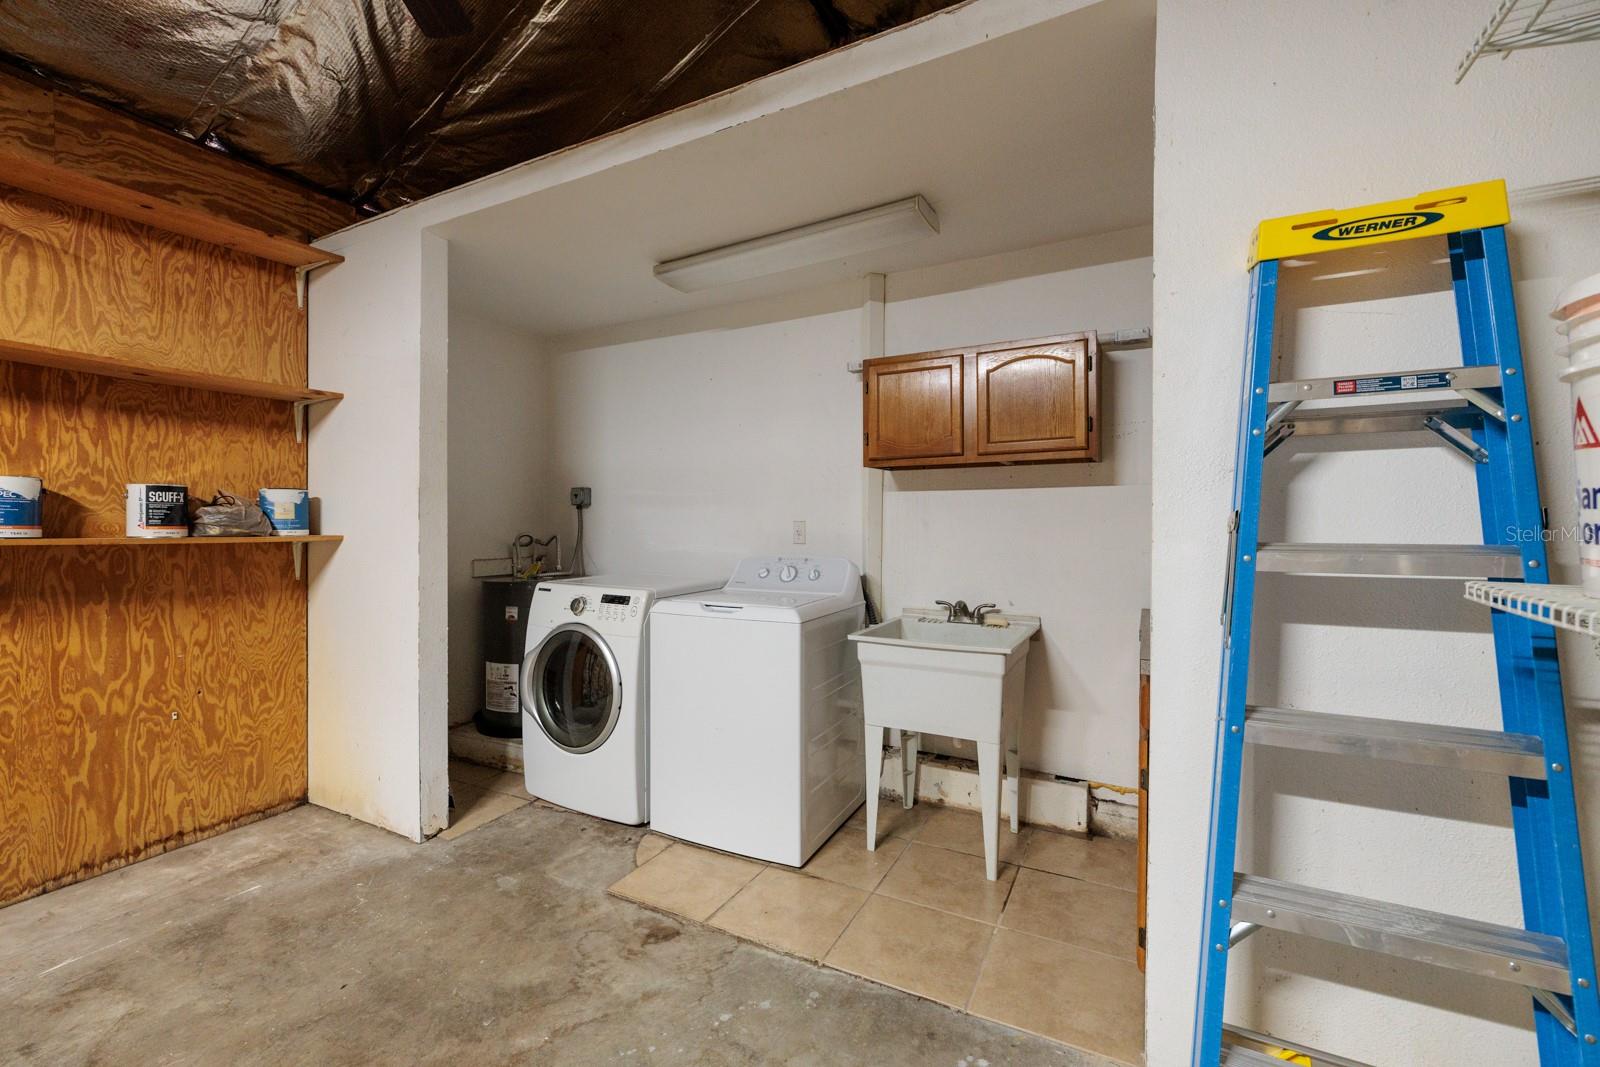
(585, 691)
(755, 696)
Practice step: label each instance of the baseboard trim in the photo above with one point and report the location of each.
(1059, 803)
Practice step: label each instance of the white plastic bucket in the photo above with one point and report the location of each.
(1577, 315)
(19, 506)
(289, 511)
(1578, 312)
(157, 510)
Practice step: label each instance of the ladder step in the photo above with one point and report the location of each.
(1522, 957)
(1410, 381)
(1415, 561)
(1517, 755)
(1239, 1056)
(1339, 419)
(1244, 1056)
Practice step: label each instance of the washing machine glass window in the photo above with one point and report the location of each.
(572, 684)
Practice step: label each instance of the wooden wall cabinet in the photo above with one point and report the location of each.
(1032, 401)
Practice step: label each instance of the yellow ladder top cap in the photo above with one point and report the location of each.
(1430, 214)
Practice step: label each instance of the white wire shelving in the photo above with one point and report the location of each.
(1521, 24)
(1565, 607)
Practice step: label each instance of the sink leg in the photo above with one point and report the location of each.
(910, 745)
(989, 794)
(1014, 775)
(874, 782)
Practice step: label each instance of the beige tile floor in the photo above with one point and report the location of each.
(481, 795)
(1046, 948)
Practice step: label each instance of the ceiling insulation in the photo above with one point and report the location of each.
(381, 102)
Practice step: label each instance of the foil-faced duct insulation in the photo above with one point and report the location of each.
(381, 102)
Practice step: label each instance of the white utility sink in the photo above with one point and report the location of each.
(926, 631)
(920, 674)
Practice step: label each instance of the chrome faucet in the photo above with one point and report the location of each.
(959, 612)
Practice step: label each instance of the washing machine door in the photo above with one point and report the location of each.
(571, 687)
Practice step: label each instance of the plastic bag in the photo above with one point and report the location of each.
(227, 516)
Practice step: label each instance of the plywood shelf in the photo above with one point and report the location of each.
(63, 183)
(142, 542)
(111, 367)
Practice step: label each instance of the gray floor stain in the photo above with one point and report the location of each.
(312, 939)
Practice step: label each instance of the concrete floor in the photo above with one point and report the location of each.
(309, 938)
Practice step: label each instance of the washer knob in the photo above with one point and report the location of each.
(763, 572)
(789, 573)
(579, 604)
(816, 573)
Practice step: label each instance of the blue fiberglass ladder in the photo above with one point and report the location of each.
(1481, 409)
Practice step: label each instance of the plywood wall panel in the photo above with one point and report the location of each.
(88, 436)
(35, 233)
(148, 695)
(80, 280)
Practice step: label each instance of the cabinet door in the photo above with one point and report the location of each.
(914, 409)
(1034, 398)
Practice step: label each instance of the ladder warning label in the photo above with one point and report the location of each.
(1583, 435)
(1391, 383)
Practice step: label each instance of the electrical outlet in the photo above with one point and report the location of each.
(582, 496)
(799, 531)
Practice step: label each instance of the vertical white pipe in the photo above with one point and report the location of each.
(872, 479)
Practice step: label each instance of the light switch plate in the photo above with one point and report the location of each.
(799, 531)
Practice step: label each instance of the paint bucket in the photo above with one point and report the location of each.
(157, 510)
(1578, 312)
(19, 506)
(289, 511)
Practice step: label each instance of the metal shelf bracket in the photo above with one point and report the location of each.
(300, 276)
(300, 407)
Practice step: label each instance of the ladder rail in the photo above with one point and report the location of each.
(1250, 457)
(1544, 814)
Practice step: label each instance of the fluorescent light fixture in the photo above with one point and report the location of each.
(883, 226)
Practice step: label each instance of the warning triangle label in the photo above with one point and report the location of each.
(1583, 435)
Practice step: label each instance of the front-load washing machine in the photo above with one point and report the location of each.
(585, 690)
(756, 740)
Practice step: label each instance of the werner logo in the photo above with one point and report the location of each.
(1376, 225)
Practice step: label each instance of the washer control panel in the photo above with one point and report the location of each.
(808, 574)
(618, 607)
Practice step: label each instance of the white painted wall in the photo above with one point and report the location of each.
(1069, 542)
(371, 596)
(704, 438)
(1268, 109)
(498, 404)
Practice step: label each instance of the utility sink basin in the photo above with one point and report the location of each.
(921, 674)
(959, 679)
(925, 631)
